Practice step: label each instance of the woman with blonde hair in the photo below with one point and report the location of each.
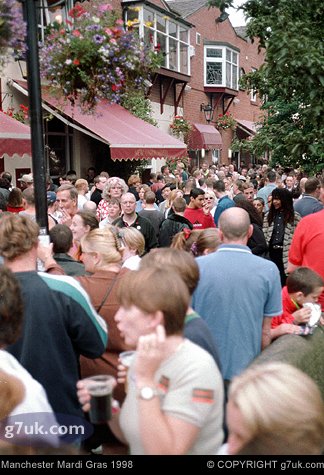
(275, 401)
(210, 202)
(115, 187)
(102, 258)
(134, 247)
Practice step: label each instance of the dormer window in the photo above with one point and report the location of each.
(164, 33)
(221, 66)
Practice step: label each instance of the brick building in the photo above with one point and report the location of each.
(203, 59)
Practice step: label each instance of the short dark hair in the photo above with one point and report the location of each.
(72, 177)
(311, 185)
(303, 279)
(61, 237)
(272, 176)
(11, 308)
(219, 186)
(7, 176)
(195, 192)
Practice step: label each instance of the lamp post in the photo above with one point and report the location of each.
(36, 119)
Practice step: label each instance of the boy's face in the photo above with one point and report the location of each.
(312, 297)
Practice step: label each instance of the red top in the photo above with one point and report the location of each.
(199, 219)
(288, 308)
(307, 245)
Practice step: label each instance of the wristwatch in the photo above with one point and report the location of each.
(147, 393)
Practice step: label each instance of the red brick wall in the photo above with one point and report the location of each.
(204, 21)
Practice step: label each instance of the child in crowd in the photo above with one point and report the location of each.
(303, 285)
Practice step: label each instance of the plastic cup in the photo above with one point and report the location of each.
(100, 388)
(316, 313)
(126, 358)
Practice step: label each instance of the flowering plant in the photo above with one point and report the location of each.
(12, 29)
(92, 56)
(180, 126)
(225, 121)
(21, 114)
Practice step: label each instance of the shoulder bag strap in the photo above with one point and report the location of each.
(107, 293)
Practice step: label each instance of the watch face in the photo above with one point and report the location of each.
(147, 393)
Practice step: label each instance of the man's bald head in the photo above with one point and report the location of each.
(235, 225)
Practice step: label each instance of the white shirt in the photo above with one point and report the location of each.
(35, 401)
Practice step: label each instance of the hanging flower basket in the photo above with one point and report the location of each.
(92, 56)
(225, 121)
(12, 30)
(180, 127)
(21, 115)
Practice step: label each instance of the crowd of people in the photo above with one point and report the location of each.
(198, 271)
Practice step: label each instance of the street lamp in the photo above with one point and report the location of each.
(36, 119)
(208, 111)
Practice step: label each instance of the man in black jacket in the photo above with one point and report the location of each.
(131, 218)
(175, 223)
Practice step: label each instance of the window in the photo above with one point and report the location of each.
(198, 39)
(221, 67)
(163, 33)
(215, 155)
(51, 11)
(253, 94)
(242, 73)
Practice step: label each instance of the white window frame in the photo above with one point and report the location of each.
(154, 31)
(46, 17)
(223, 61)
(253, 93)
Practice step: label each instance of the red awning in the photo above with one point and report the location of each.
(128, 137)
(14, 136)
(247, 126)
(204, 136)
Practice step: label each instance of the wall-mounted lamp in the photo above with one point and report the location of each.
(187, 88)
(229, 153)
(203, 152)
(208, 111)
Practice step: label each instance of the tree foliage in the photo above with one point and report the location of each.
(291, 81)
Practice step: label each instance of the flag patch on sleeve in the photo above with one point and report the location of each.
(205, 396)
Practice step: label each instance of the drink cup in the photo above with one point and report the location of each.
(100, 388)
(316, 313)
(126, 358)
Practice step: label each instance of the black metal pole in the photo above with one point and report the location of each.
(36, 118)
